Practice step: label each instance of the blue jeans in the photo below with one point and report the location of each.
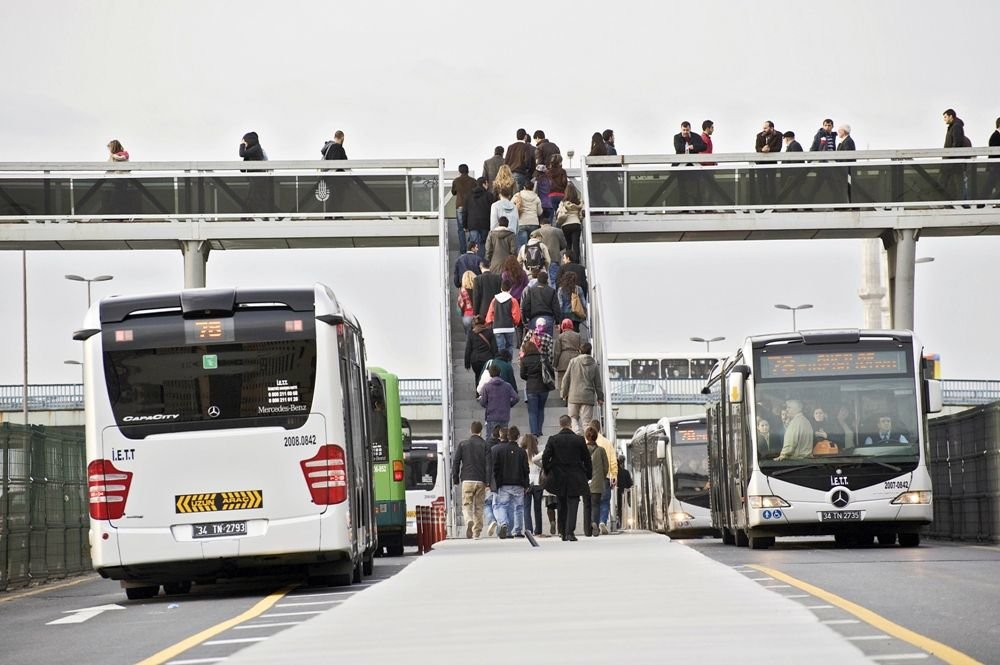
(606, 503)
(519, 180)
(459, 221)
(523, 234)
(488, 516)
(553, 271)
(509, 508)
(505, 340)
(533, 506)
(478, 238)
(536, 412)
(491, 424)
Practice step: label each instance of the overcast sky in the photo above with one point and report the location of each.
(185, 80)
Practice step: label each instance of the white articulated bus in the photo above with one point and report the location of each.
(822, 432)
(227, 432)
(669, 463)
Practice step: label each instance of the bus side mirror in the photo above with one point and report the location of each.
(734, 383)
(661, 449)
(932, 393)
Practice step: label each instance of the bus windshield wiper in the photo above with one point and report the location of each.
(891, 467)
(781, 472)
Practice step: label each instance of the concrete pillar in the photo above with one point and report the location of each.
(872, 291)
(195, 260)
(904, 267)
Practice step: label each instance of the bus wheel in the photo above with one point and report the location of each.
(843, 540)
(865, 539)
(395, 547)
(886, 539)
(741, 538)
(368, 564)
(141, 592)
(727, 537)
(357, 575)
(760, 542)
(177, 588)
(909, 540)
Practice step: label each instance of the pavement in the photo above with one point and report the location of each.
(628, 598)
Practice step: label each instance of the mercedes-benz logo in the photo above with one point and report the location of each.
(840, 498)
(214, 411)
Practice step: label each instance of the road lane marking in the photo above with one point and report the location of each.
(177, 649)
(250, 626)
(48, 587)
(796, 595)
(943, 651)
(293, 614)
(315, 602)
(760, 579)
(900, 656)
(836, 622)
(242, 640)
(774, 586)
(196, 661)
(819, 607)
(858, 638)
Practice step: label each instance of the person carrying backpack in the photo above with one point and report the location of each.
(534, 255)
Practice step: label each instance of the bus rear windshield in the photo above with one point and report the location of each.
(178, 386)
(421, 470)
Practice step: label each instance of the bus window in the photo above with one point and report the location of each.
(645, 368)
(618, 369)
(675, 368)
(701, 368)
(421, 470)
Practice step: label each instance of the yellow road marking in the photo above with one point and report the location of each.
(48, 587)
(942, 651)
(193, 641)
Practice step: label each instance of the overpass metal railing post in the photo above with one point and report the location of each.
(447, 392)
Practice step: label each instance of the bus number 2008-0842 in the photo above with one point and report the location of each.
(219, 529)
(303, 440)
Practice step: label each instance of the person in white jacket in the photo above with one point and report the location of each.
(504, 207)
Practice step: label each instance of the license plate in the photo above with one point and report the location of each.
(840, 516)
(219, 529)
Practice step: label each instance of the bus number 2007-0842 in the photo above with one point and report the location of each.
(219, 529)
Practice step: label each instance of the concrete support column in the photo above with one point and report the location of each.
(195, 261)
(902, 266)
(872, 290)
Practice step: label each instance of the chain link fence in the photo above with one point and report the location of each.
(965, 471)
(44, 520)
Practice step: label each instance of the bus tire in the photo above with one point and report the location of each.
(727, 537)
(760, 542)
(177, 588)
(909, 540)
(843, 540)
(886, 539)
(357, 575)
(368, 564)
(865, 539)
(742, 540)
(141, 592)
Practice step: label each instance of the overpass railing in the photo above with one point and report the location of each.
(794, 181)
(66, 396)
(218, 191)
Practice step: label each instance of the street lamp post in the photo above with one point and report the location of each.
(708, 342)
(793, 310)
(88, 280)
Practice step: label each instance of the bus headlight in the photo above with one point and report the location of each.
(768, 501)
(681, 516)
(921, 497)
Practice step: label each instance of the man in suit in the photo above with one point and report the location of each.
(568, 469)
(687, 142)
(885, 436)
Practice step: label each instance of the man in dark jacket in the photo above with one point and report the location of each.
(520, 159)
(825, 139)
(477, 215)
(687, 142)
(334, 149)
(569, 264)
(467, 261)
(484, 288)
(768, 141)
(461, 187)
(497, 397)
(568, 469)
(791, 145)
(260, 189)
(953, 177)
(544, 149)
(492, 165)
(469, 470)
(540, 301)
(510, 473)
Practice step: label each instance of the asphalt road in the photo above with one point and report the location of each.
(143, 628)
(945, 591)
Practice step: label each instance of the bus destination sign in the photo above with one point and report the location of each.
(690, 435)
(832, 363)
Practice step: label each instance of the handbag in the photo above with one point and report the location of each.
(548, 376)
(576, 306)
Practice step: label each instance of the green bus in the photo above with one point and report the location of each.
(390, 436)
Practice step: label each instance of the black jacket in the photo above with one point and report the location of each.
(581, 275)
(531, 372)
(846, 144)
(831, 141)
(467, 261)
(470, 461)
(486, 286)
(480, 346)
(567, 464)
(697, 144)
(955, 136)
(477, 211)
(251, 152)
(794, 146)
(333, 150)
(538, 301)
(510, 465)
(773, 141)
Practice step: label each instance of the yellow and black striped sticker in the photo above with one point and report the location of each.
(218, 501)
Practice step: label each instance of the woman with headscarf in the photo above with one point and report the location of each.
(566, 348)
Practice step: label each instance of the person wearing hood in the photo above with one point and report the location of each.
(534, 254)
(500, 245)
(497, 397)
(567, 347)
(581, 387)
(259, 188)
(478, 206)
(504, 315)
(541, 302)
(529, 209)
(954, 177)
(480, 347)
(335, 149)
(504, 207)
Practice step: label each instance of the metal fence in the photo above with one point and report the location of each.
(44, 519)
(965, 471)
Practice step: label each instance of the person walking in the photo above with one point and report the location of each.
(581, 387)
(529, 210)
(117, 152)
(464, 301)
(541, 302)
(504, 315)
(572, 300)
(334, 149)
(542, 339)
(461, 188)
(569, 218)
(559, 180)
(478, 205)
(492, 165)
(609, 481)
(567, 346)
(504, 207)
(567, 466)
(497, 398)
(954, 177)
(545, 149)
(599, 472)
(543, 185)
(533, 368)
(515, 274)
(825, 138)
(499, 245)
(480, 348)
(468, 261)
(512, 478)
(520, 159)
(485, 286)
(534, 256)
(555, 242)
(791, 145)
(469, 472)
(260, 196)
(498, 435)
(533, 497)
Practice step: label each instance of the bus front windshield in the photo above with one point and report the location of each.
(689, 457)
(836, 419)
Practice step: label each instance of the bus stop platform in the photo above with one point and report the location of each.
(614, 599)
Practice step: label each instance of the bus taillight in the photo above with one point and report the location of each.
(108, 490)
(326, 475)
(397, 470)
